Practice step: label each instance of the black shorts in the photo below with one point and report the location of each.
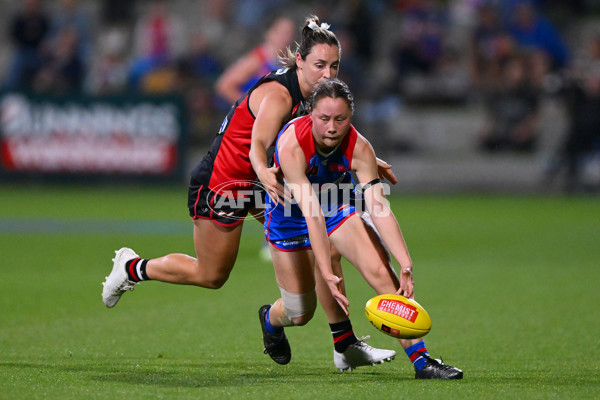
(224, 209)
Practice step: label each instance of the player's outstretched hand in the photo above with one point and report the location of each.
(384, 170)
(270, 180)
(407, 284)
(335, 283)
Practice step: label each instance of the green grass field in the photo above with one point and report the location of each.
(511, 284)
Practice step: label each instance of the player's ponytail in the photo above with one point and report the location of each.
(312, 32)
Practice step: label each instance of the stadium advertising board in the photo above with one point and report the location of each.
(124, 136)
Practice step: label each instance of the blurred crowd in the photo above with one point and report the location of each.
(506, 55)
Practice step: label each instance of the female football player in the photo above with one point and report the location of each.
(316, 154)
(262, 59)
(223, 188)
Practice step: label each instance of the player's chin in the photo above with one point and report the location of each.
(331, 142)
(320, 81)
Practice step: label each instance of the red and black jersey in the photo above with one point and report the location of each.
(228, 159)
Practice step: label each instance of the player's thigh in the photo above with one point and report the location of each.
(383, 252)
(336, 267)
(258, 214)
(336, 261)
(294, 270)
(364, 251)
(216, 245)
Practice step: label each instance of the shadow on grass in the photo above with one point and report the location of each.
(211, 374)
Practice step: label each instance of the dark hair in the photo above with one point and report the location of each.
(333, 88)
(308, 38)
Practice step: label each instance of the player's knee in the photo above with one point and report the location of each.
(298, 308)
(303, 319)
(213, 283)
(379, 273)
(209, 279)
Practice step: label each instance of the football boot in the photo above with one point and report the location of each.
(276, 346)
(359, 354)
(436, 369)
(118, 282)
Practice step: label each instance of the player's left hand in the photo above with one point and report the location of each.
(407, 284)
(384, 170)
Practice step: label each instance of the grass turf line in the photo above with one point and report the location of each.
(510, 283)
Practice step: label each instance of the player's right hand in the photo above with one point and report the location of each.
(407, 283)
(270, 181)
(335, 283)
(384, 170)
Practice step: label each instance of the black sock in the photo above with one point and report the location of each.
(136, 269)
(343, 335)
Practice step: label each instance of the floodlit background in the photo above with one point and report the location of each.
(463, 95)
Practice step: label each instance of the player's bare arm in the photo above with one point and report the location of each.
(235, 76)
(293, 165)
(364, 162)
(271, 104)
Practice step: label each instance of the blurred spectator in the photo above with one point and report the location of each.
(540, 70)
(159, 41)
(491, 46)
(262, 59)
(214, 20)
(198, 71)
(428, 65)
(583, 137)
(201, 63)
(62, 69)
(464, 12)
(420, 43)
(250, 14)
(69, 15)
(581, 93)
(589, 59)
(363, 16)
(512, 110)
(27, 30)
(117, 12)
(352, 67)
(533, 31)
(108, 75)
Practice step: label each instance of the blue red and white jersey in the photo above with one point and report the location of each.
(330, 176)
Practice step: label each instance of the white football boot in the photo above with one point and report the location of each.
(118, 282)
(359, 354)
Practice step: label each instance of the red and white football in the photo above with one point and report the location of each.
(398, 316)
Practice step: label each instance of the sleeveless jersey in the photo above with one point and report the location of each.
(330, 177)
(228, 158)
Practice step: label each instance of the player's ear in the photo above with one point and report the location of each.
(299, 61)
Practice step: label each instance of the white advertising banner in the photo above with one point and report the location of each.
(132, 136)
